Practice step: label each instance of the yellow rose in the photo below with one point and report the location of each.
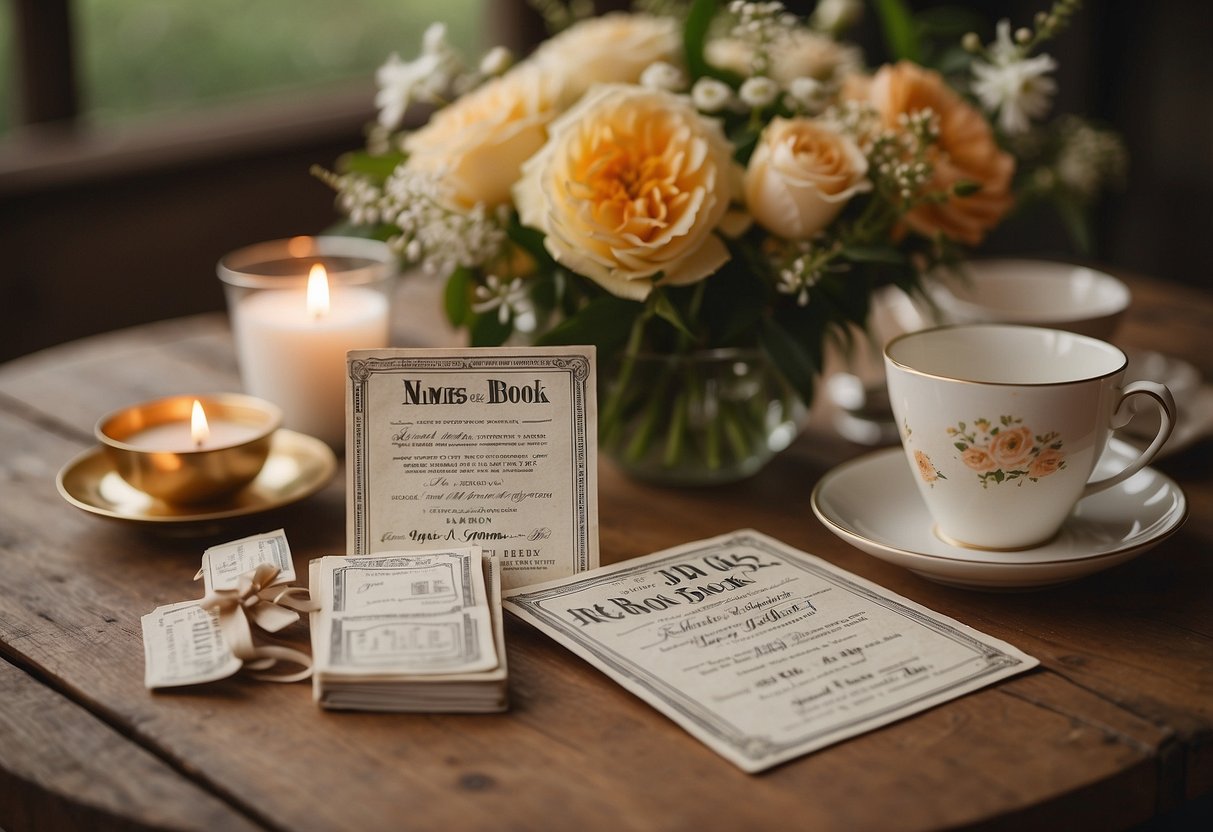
(966, 151)
(477, 144)
(612, 49)
(801, 175)
(631, 183)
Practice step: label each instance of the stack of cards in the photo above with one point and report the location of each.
(409, 631)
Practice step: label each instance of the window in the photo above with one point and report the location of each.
(136, 58)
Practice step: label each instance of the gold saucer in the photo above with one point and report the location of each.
(298, 466)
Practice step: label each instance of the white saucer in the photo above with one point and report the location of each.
(873, 503)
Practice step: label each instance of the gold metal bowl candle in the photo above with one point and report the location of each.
(190, 449)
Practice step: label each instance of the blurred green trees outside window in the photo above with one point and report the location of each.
(138, 58)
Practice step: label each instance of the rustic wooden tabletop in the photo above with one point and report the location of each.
(1115, 727)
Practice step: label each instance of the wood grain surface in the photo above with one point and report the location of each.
(1116, 726)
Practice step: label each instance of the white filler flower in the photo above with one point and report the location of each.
(1014, 86)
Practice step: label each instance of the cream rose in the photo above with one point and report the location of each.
(1011, 447)
(800, 53)
(478, 143)
(611, 49)
(801, 175)
(966, 151)
(631, 183)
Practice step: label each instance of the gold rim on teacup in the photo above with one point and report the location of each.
(990, 327)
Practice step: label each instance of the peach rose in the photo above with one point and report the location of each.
(801, 175)
(631, 184)
(477, 144)
(978, 459)
(966, 151)
(1011, 447)
(925, 469)
(1047, 462)
(612, 49)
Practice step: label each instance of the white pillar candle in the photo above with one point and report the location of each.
(295, 357)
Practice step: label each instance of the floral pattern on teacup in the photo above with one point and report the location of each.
(927, 469)
(1007, 450)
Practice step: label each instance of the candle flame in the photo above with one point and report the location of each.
(200, 431)
(317, 292)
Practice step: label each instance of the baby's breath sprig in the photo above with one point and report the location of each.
(433, 234)
(804, 263)
(358, 197)
(899, 161)
(561, 14)
(760, 25)
(1025, 40)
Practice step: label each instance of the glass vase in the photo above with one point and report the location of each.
(697, 418)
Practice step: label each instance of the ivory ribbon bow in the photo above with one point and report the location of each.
(271, 608)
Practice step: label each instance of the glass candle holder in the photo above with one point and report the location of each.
(297, 307)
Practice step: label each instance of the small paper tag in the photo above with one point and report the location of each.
(182, 645)
(223, 565)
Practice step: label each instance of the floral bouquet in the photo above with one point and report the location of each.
(710, 193)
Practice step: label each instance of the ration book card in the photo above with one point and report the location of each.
(761, 651)
(495, 448)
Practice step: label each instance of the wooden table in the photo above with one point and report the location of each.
(1115, 727)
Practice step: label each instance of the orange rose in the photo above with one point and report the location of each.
(1011, 447)
(925, 469)
(979, 460)
(966, 151)
(1046, 462)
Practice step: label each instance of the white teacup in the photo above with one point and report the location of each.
(1003, 425)
(1034, 292)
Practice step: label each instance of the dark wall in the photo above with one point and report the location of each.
(93, 257)
(131, 243)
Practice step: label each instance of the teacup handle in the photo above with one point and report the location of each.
(1166, 406)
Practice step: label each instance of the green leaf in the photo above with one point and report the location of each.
(900, 32)
(604, 322)
(530, 240)
(960, 446)
(664, 308)
(487, 330)
(949, 21)
(695, 36)
(875, 254)
(1076, 221)
(345, 228)
(457, 298)
(794, 362)
(966, 187)
(376, 167)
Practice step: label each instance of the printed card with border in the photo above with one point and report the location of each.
(761, 651)
(492, 447)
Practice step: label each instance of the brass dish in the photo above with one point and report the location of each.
(297, 467)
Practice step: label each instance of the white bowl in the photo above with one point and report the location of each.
(1033, 292)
